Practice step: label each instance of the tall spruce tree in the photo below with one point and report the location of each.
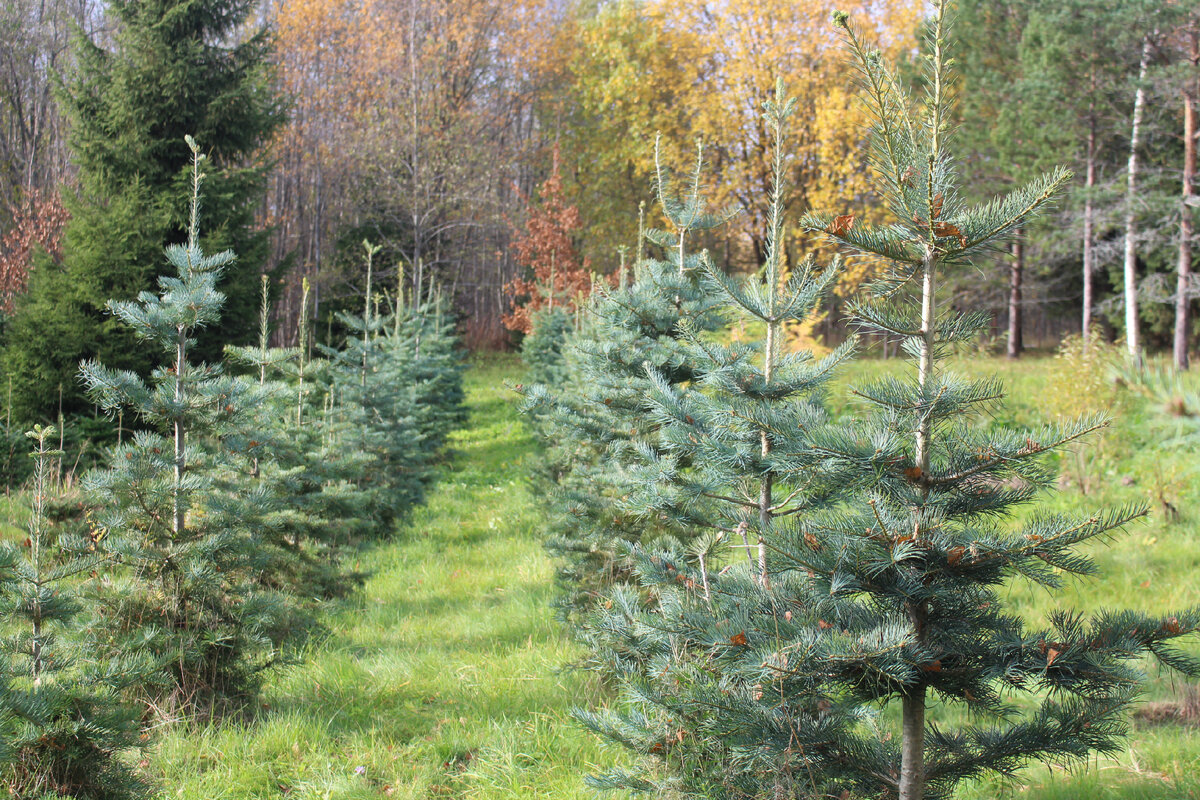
(892, 597)
(175, 67)
(181, 522)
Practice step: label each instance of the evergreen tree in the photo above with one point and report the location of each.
(179, 520)
(893, 594)
(64, 726)
(596, 422)
(311, 480)
(399, 377)
(176, 67)
(542, 349)
(737, 463)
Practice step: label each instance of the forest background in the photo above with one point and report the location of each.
(444, 131)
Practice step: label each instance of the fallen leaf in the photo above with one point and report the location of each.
(945, 229)
(840, 225)
(936, 208)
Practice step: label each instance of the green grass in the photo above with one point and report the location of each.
(445, 676)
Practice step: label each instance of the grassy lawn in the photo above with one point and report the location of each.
(445, 677)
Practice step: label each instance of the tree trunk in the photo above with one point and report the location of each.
(1183, 285)
(1132, 334)
(178, 510)
(1089, 222)
(912, 746)
(912, 754)
(764, 496)
(1016, 343)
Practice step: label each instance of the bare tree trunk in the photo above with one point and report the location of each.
(765, 488)
(1183, 285)
(1016, 343)
(1132, 333)
(178, 509)
(912, 746)
(1089, 222)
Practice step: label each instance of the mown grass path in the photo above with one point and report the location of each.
(443, 677)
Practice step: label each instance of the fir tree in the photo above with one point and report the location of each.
(178, 517)
(736, 464)
(892, 596)
(315, 506)
(175, 67)
(542, 349)
(596, 422)
(399, 376)
(63, 723)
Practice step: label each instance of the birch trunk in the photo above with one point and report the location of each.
(1183, 285)
(1016, 343)
(1132, 333)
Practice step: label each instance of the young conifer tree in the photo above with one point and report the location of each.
(64, 726)
(189, 597)
(542, 349)
(595, 424)
(308, 503)
(923, 554)
(735, 463)
(893, 596)
(400, 376)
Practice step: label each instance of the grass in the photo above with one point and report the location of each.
(445, 676)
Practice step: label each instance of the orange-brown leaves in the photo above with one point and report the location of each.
(547, 249)
(946, 230)
(738, 639)
(37, 222)
(840, 226)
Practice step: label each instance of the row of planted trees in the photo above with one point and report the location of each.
(196, 558)
(796, 606)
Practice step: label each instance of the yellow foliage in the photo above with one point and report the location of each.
(743, 47)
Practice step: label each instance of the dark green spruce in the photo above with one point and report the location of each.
(173, 68)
